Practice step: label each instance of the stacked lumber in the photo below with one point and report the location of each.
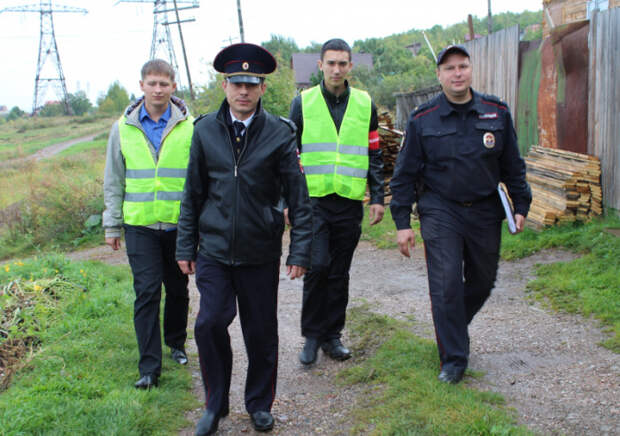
(390, 139)
(566, 186)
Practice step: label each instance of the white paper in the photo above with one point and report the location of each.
(510, 218)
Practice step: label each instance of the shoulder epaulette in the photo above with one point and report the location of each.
(494, 100)
(199, 118)
(425, 108)
(290, 123)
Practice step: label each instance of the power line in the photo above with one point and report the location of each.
(162, 41)
(48, 49)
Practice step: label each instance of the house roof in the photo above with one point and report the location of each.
(305, 64)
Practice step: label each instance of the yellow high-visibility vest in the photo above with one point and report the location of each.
(153, 191)
(335, 161)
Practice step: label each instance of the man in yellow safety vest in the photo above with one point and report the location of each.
(146, 164)
(340, 154)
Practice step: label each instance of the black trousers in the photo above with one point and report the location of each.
(326, 284)
(462, 253)
(151, 257)
(254, 288)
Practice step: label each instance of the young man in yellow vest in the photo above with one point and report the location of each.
(146, 164)
(340, 154)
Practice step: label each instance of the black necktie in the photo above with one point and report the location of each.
(239, 128)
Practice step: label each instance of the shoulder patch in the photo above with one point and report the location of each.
(494, 100)
(199, 118)
(289, 123)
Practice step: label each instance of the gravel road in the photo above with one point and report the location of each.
(547, 365)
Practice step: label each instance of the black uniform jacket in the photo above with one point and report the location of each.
(337, 106)
(460, 156)
(229, 210)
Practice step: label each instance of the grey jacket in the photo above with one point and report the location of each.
(114, 176)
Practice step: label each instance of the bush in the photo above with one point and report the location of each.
(56, 210)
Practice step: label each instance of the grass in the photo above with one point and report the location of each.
(402, 394)
(98, 144)
(25, 136)
(589, 285)
(52, 202)
(80, 381)
(383, 234)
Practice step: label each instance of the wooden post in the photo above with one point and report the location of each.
(470, 22)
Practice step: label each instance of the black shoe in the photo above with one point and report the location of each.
(452, 376)
(179, 355)
(309, 353)
(147, 382)
(207, 423)
(262, 421)
(334, 349)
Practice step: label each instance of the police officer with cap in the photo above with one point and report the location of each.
(457, 148)
(242, 160)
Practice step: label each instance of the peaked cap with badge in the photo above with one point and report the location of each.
(244, 63)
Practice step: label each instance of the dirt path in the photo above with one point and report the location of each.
(49, 151)
(547, 365)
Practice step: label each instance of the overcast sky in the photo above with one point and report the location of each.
(113, 40)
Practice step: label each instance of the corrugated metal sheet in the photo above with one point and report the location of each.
(495, 59)
(604, 101)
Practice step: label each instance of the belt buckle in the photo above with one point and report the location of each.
(467, 203)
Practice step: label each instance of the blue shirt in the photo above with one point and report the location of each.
(154, 129)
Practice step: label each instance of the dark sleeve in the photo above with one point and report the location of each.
(194, 196)
(296, 116)
(375, 176)
(512, 170)
(407, 172)
(295, 193)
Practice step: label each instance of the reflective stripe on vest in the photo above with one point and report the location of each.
(335, 161)
(153, 191)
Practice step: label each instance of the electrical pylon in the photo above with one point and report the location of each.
(161, 44)
(48, 49)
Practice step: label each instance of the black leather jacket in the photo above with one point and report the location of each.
(229, 210)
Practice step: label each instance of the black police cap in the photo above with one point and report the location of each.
(244, 62)
(449, 50)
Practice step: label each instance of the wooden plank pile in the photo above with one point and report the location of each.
(390, 139)
(566, 186)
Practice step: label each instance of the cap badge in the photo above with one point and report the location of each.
(488, 140)
(245, 66)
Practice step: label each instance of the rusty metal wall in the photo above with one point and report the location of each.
(563, 91)
(495, 59)
(604, 101)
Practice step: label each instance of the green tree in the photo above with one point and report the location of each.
(115, 101)
(280, 89)
(52, 110)
(79, 102)
(281, 46)
(15, 113)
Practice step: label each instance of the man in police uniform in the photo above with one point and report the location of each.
(242, 160)
(340, 153)
(457, 148)
(146, 161)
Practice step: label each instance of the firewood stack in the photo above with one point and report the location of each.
(390, 145)
(566, 186)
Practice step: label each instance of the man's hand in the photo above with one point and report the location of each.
(295, 271)
(405, 239)
(519, 222)
(187, 266)
(375, 213)
(286, 220)
(115, 242)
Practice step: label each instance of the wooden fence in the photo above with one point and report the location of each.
(604, 101)
(495, 59)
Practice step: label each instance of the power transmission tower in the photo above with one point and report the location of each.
(48, 49)
(161, 45)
